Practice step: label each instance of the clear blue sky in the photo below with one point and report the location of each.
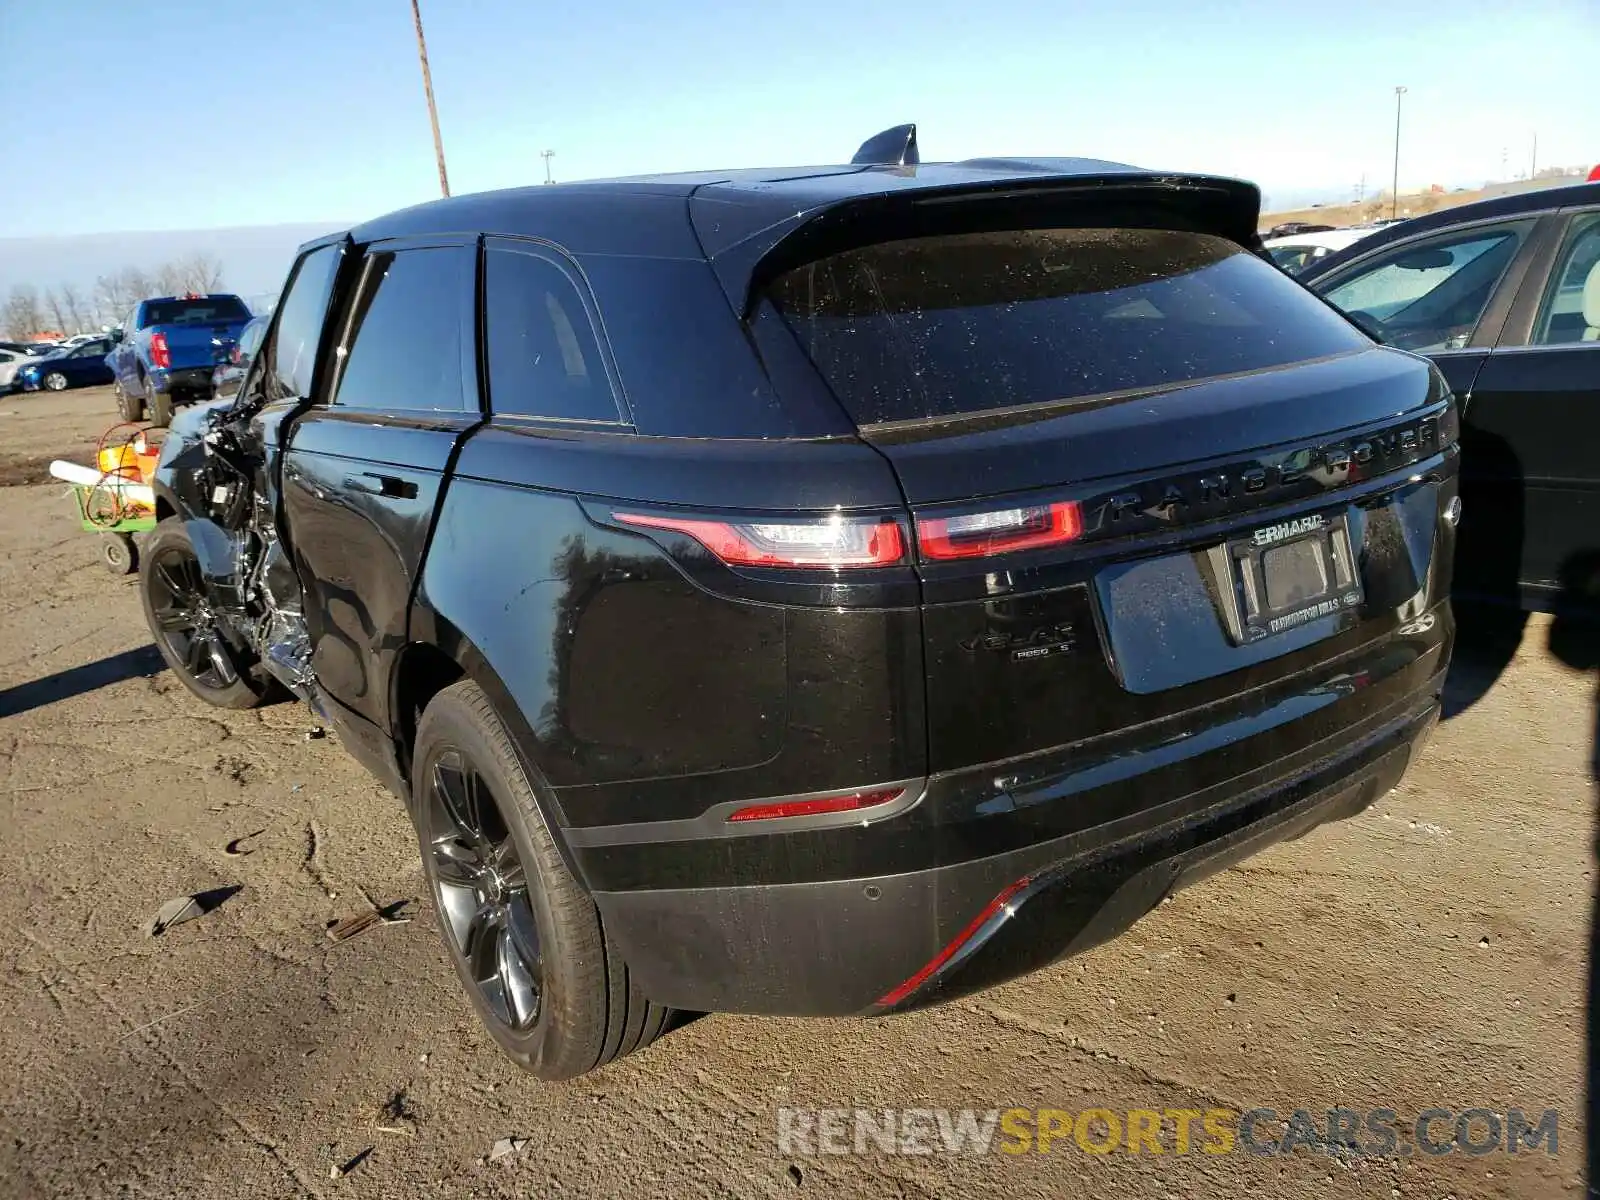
(184, 114)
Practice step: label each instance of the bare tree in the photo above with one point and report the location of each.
(115, 294)
(57, 311)
(22, 316)
(76, 308)
(200, 272)
(171, 279)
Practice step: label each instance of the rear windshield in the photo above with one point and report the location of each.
(968, 323)
(204, 311)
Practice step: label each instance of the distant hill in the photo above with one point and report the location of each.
(255, 259)
(1411, 205)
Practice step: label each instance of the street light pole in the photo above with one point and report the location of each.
(547, 155)
(1394, 194)
(433, 112)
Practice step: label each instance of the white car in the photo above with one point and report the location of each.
(12, 361)
(1299, 250)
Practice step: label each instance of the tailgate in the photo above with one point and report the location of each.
(197, 345)
(1149, 473)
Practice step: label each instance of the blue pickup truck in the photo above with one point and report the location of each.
(166, 350)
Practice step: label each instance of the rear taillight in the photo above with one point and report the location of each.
(235, 357)
(830, 542)
(999, 531)
(160, 356)
(816, 805)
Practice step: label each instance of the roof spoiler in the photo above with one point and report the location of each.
(895, 147)
(747, 247)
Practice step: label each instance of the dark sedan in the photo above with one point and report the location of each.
(80, 366)
(1504, 295)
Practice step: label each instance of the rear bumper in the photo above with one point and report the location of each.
(194, 379)
(873, 944)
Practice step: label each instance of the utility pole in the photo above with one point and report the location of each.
(1394, 196)
(1533, 159)
(433, 112)
(547, 155)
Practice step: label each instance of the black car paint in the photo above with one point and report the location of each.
(1530, 415)
(646, 683)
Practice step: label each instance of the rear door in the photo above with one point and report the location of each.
(1448, 295)
(1534, 421)
(366, 463)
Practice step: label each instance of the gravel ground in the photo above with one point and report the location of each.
(1430, 953)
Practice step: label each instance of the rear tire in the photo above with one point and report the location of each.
(181, 623)
(161, 409)
(585, 1008)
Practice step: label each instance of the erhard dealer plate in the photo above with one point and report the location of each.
(1279, 577)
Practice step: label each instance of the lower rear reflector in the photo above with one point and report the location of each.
(894, 996)
(817, 805)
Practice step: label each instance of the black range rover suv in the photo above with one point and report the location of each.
(823, 591)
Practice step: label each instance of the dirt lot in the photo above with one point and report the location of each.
(1431, 953)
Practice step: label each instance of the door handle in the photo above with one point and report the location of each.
(375, 484)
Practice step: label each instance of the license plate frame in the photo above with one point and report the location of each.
(1286, 575)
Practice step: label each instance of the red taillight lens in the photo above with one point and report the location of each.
(999, 531)
(830, 542)
(812, 807)
(160, 356)
(896, 994)
(235, 356)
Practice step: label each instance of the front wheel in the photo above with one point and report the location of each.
(524, 936)
(193, 638)
(55, 381)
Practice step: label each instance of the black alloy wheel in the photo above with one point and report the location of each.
(191, 635)
(523, 935)
(186, 620)
(483, 891)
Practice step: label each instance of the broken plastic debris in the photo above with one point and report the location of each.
(186, 908)
(507, 1145)
(237, 848)
(340, 1170)
(346, 928)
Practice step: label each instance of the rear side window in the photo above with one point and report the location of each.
(403, 340)
(299, 325)
(1571, 308)
(205, 310)
(544, 358)
(970, 323)
(1427, 296)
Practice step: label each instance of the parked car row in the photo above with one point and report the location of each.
(168, 351)
(80, 362)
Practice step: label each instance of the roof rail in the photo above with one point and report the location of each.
(895, 147)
